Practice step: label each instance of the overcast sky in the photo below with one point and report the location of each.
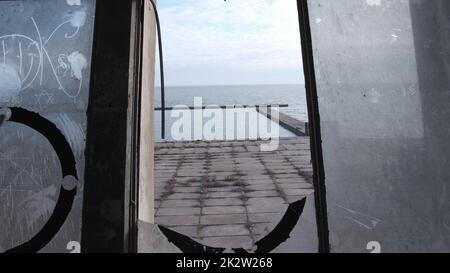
(212, 42)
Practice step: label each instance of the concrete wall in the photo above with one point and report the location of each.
(150, 239)
(382, 78)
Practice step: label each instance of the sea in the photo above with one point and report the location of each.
(292, 95)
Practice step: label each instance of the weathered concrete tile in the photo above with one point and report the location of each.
(184, 196)
(267, 208)
(177, 221)
(287, 186)
(260, 229)
(224, 195)
(228, 177)
(293, 172)
(191, 184)
(253, 149)
(187, 180)
(261, 181)
(261, 201)
(224, 189)
(263, 187)
(223, 202)
(158, 196)
(188, 189)
(263, 194)
(256, 177)
(180, 203)
(298, 179)
(263, 217)
(299, 192)
(224, 230)
(160, 189)
(224, 210)
(245, 242)
(192, 165)
(227, 219)
(289, 176)
(191, 174)
(211, 171)
(178, 211)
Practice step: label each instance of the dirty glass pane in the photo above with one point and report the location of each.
(382, 70)
(45, 57)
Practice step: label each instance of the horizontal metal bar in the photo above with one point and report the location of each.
(226, 107)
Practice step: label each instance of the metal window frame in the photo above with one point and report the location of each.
(314, 123)
(110, 210)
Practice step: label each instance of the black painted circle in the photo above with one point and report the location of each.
(68, 168)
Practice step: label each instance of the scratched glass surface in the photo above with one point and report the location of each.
(45, 57)
(382, 70)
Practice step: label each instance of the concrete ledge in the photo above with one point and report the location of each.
(299, 128)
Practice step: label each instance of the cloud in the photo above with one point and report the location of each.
(213, 37)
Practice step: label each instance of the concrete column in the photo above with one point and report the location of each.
(146, 181)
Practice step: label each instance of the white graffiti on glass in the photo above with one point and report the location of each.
(23, 59)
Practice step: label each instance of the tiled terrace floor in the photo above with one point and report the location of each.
(225, 194)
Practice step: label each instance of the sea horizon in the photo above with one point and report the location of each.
(293, 95)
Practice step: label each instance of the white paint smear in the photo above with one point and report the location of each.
(374, 2)
(73, 2)
(78, 19)
(10, 83)
(77, 63)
